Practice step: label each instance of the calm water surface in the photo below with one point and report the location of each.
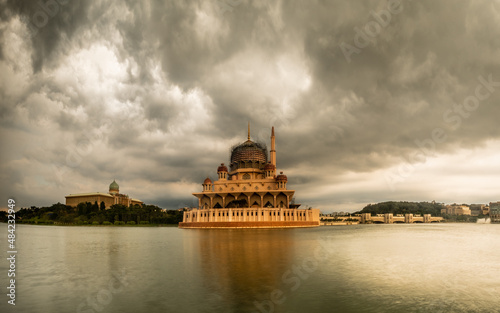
(364, 268)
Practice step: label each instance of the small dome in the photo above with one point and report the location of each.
(222, 168)
(281, 177)
(207, 181)
(269, 167)
(114, 186)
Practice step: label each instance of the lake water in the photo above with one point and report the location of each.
(359, 268)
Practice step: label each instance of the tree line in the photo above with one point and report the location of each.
(404, 207)
(96, 214)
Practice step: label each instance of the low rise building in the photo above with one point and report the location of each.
(486, 210)
(495, 212)
(477, 209)
(112, 197)
(456, 209)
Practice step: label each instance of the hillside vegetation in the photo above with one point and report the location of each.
(403, 207)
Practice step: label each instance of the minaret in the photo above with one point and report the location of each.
(273, 148)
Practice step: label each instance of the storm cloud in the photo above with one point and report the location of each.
(371, 101)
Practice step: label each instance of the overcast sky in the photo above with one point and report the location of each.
(371, 100)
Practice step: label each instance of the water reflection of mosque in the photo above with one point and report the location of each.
(240, 267)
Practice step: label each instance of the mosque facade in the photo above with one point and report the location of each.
(248, 193)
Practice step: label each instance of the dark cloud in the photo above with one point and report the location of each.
(51, 23)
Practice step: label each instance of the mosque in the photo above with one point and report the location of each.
(112, 197)
(248, 194)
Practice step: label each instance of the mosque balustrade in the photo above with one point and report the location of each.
(247, 215)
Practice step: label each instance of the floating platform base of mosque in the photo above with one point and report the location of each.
(262, 224)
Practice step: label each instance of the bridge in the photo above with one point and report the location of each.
(386, 218)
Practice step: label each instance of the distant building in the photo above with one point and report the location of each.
(337, 214)
(495, 212)
(112, 197)
(456, 209)
(477, 209)
(249, 194)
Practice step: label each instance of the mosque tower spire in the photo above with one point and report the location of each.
(248, 130)
(273, 148)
